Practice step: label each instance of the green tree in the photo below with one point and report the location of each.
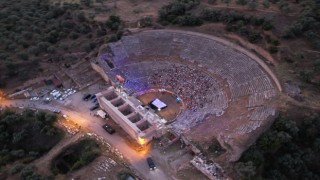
(242, 2)
(252, 4)
(246, 169)
(266, 4)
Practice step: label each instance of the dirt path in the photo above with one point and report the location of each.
(44, 162)
(254, 47)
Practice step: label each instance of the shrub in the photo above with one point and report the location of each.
(284, 6)
(101, 32)
(16, 169)
(23, 56)
(266, 4)
(51, 49)
(254, 37)
(252, 4)
(113, 22)
(73, 35)
(171, 11)
(188, 20)
(242, 2)
(246, 170)
(273, 49)
(212, 1)
(267, 25)
(306, 75)
(145, 21)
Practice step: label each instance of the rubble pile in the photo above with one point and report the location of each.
(211, 169)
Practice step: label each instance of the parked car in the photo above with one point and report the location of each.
(96, 106)
(86, 97)
(108, 128)
(57, 111)
(151, 164)
(93, 97)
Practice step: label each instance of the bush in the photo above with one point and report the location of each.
(145, 21)
(242, 2)
(188, 20)
(252, 4)
(212, 1)
(267, 25)
(284, 6)
(73, 35)
(34, 50)
(170, 12)
(16, 169)
(306, 75)
(247, 169)
(273, 49)
(113, 22)
(178, 8)
(254, 37)
(23, 56)
(51, 49)
(266, 4)
(101, 32)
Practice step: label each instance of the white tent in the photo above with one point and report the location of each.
(158, 104)
(101, 113)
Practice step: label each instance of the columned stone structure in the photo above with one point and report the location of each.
(141, 124)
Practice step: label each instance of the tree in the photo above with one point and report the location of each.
(18, 153)
(188, 20)
(51, 49)
(16, 169)
(273, 49)
(113, 22)
(226, 1)
(212, 1)
(34, 50)
(246, 169)
(266, 4)
(101, 32)
(73, 35)
(145, 21)
(86, 2)
(23, 56)
(252, 4)
(267, 25)
(242, 2)
(81, 17)
(306, 75)
(284, 6)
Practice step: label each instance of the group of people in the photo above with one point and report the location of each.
(191, 84)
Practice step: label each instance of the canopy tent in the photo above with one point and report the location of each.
(157, 104)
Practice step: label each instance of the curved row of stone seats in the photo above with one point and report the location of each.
(131, 45)
(249, 127)
(192, 117)
(261, 113)
(257, 118)
(155, 43)
(258, 99)
(136, 85)
(243, 74)
(119, 53)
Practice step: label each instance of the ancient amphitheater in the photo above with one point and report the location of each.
(227, 91)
